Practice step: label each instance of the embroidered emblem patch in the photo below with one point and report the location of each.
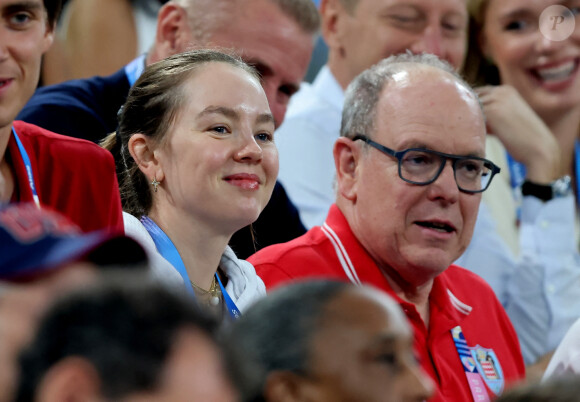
(489, 368)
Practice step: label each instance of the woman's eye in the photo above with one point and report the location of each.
(264, 137)
(220, 129)
(516, 25)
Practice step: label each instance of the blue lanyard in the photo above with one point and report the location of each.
(577, 163)
(517, 172)
(134, 69)
(231, 306)
(168, 250)
(28, 166)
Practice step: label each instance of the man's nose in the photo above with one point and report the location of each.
(430, 41)
(445, 186)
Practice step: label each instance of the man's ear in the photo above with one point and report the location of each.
(347, 155)
(285, 386)
(73, 379)
(144, 152)
(330, 13)
(174, 33)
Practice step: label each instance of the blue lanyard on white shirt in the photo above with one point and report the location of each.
(134, 69)
(168, 250)
(28, 166)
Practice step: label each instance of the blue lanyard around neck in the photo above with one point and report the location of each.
(168, 250)
(134, 69)
(28, 166)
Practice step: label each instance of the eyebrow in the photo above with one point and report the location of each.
(421, 145)
(516, 14)
(526, 12)
(29, 5)
(232, 114)
(265, 118)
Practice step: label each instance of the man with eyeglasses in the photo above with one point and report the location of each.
(410, 171)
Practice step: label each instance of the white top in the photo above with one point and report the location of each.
(244, 286)
(305, 141)
(566, 359)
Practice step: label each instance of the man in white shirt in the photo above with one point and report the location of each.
(359, 34)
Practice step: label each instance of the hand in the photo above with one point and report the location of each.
(524, 135)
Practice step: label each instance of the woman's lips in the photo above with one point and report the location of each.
(245, 181)
(556, 76)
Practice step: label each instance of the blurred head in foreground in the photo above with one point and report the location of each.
(326, 341)
(118, 342)
(43, 255)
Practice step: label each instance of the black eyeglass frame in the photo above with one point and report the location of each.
(494, 169)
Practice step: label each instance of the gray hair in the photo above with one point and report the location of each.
(363, 93)
(205, 16)
(277, 332)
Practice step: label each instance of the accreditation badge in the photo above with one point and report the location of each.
(489, 368)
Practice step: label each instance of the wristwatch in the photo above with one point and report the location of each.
(545, 192)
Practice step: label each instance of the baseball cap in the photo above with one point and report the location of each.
(35, 242)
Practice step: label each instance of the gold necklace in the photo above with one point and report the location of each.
(212, 296)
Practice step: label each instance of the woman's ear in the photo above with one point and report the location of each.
(346, 158)
(142, 149)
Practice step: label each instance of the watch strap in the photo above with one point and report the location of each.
(545, 192)
(541, 191)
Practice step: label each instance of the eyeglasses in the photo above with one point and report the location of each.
(423, 166)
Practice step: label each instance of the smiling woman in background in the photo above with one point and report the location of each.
(200, 163)
(531, 98)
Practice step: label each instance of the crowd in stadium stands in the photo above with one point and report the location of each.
(289, 200)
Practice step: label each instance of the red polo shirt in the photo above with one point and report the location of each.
(72, 176)
(458, 298)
